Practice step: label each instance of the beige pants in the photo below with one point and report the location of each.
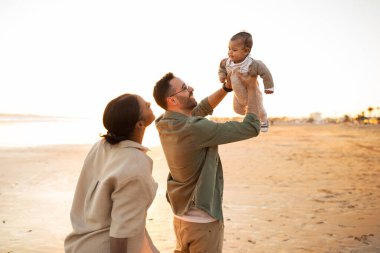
(198, 237)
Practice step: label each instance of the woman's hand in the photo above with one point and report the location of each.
(118, 244)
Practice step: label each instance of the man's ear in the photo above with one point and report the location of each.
(171, 101)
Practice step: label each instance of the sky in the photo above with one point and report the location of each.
(69, 58)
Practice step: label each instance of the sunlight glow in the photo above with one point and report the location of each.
(69, 58)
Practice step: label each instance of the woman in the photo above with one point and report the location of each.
(115, 187)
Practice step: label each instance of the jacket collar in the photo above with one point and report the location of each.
(170, 115)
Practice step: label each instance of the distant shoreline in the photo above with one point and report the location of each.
(24, 118)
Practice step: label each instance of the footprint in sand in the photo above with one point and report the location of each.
(364, 238)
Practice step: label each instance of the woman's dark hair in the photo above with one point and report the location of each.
(120, 117)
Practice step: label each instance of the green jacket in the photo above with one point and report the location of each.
(190, 145)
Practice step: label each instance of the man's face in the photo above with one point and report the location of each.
(183, 93)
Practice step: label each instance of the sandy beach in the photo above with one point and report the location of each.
(298, 188)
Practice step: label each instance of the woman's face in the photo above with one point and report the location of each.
(146, 112)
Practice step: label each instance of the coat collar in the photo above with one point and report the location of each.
(132, 144)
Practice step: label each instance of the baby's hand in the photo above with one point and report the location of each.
(268, 91)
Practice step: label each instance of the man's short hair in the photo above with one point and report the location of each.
(161, 90)
(245, 37)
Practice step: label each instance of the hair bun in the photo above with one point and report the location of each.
(113, 138)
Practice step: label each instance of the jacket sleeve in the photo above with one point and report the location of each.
(207, 133)
(202, 109)
(259, 68)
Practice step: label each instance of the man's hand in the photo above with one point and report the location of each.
(247, 80)
(215, 98)
(228, 81)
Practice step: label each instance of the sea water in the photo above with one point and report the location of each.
(31, 130)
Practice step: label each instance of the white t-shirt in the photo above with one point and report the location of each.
(196, 215)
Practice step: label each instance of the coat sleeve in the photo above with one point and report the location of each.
(130, 204)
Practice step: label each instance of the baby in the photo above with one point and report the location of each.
(246, 99)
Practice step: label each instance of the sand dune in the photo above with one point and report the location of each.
(311, 188)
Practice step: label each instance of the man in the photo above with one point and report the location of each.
(190, 143)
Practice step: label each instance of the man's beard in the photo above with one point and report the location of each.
(187, 103)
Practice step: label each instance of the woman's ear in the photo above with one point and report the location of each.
(140, 124)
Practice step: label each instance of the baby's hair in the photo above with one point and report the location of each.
(245, 37)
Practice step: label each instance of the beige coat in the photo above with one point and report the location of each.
(113, 193)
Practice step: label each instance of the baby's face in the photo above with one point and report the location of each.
(237, 51)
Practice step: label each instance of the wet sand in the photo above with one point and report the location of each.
(298, 188)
